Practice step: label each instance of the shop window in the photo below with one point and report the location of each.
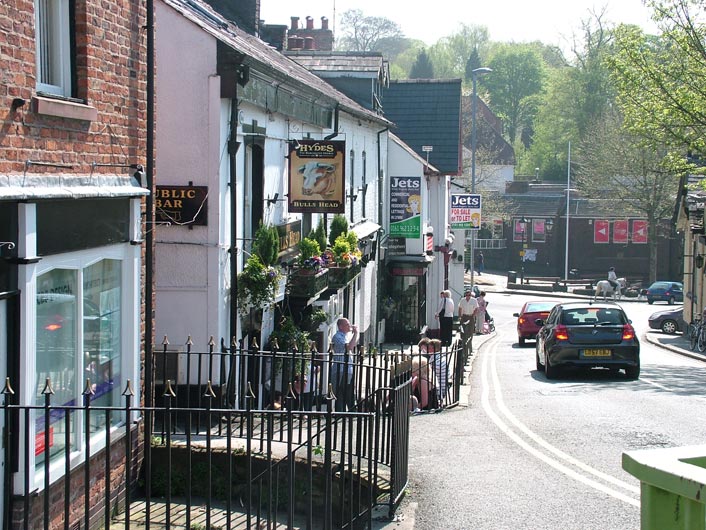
(79, 339)
(54, 55)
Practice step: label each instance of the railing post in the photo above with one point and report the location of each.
(168, 395)
(7, 442)
(290, 457)
(249, 398)
(328, 461)
(88, 393)
(128, 393)
(47, 392)
(209, 395)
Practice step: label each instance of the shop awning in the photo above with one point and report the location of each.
(365, 229)
(53, 186)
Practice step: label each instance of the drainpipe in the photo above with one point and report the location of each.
(150, 220)
(381, 263)
(233, 152)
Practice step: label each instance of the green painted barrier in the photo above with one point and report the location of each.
(672, 487)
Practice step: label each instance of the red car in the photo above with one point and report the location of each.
(531, 311)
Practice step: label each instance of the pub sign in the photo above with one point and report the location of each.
(317, 176)
(182, 205)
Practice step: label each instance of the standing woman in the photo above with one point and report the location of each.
(445, 314)
(480, 315)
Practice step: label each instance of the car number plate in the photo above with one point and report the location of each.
(596, 352)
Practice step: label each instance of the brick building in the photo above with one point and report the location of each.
(73, 132)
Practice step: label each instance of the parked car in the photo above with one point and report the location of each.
(669, 321)
(587, 335)
(662, 291)
(531, 311)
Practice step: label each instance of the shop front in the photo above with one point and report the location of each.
(404, 302)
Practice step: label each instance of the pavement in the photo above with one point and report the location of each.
(497, 283)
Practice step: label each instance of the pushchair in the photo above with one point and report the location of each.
(489, 322)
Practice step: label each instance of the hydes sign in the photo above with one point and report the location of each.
(465, 211)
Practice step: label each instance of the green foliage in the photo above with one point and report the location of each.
(339, 225)
(308, 248)
(256, 285)
(518, 74)
(360, 33)
(289, 336)
(422, 67)
(319, 235)
(266, 244)
(341, 250)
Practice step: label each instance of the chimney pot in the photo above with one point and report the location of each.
(309, 23)
(324, 23)
(295, 23)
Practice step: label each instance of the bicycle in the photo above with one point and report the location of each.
(692, 332)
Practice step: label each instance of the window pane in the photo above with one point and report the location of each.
(102, 335)
(57, 315)
(53, 50)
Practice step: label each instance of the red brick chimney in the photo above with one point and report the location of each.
(324, 23)
(309, 23)
(295, 24)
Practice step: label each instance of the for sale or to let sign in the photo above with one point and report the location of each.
(465, 211)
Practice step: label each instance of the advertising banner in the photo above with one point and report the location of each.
(639, 231)
(539, 232)
(317, 176)
(620, 231)
(601, 231)
(465, 211)
(405, 207)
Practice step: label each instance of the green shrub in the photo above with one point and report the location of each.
(266, 244)
(339, 225)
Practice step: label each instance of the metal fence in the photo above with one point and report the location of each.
(237, 439)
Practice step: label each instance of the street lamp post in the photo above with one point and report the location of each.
(474, 77)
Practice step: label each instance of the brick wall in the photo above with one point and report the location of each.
(110, 59)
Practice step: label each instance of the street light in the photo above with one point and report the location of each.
(474, 76)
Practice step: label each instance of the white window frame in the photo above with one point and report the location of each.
(53, 41)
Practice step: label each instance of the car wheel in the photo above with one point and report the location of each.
(540, 366)
(633, 372)
(671, 300)
(669, 327)
(521, 341)
(650, 301)
(549, 370)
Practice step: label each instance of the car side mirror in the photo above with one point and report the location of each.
(539, 322)
(517, 315)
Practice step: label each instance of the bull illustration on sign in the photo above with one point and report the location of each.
(318, 179)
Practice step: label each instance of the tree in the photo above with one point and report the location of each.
(616, 164)
(472, 63)
(422, 67)
(518, 73)
(450, 54)
(361, 33)
(659, 80)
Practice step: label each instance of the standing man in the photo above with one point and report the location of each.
(445, 314)
(467, 309)
(481, 263)
(344, 342)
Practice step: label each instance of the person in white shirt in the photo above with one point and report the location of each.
(445, 314)
(612, 277)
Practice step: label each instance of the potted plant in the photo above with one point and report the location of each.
(319, 235)
(256, 285)
(339, 225)
(266, 244)
(309, 256)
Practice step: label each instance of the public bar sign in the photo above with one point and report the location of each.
(317, 176)
(465, 211)
(406, 207)
(182, 205)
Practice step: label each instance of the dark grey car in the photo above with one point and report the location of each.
(670, 321)
(588, 335)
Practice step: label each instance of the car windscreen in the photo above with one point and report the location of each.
(538, 307)
(593, 315)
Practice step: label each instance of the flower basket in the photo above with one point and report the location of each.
(308, 283)
(340, 276)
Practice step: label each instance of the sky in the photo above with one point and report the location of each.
(549, 21)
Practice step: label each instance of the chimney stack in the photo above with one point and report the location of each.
(324, 23)
(295, 23)
(309, 23)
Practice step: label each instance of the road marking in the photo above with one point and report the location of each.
(489, 358)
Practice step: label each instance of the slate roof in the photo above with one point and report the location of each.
(264, 58)
(428, 112)
(371, 63)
